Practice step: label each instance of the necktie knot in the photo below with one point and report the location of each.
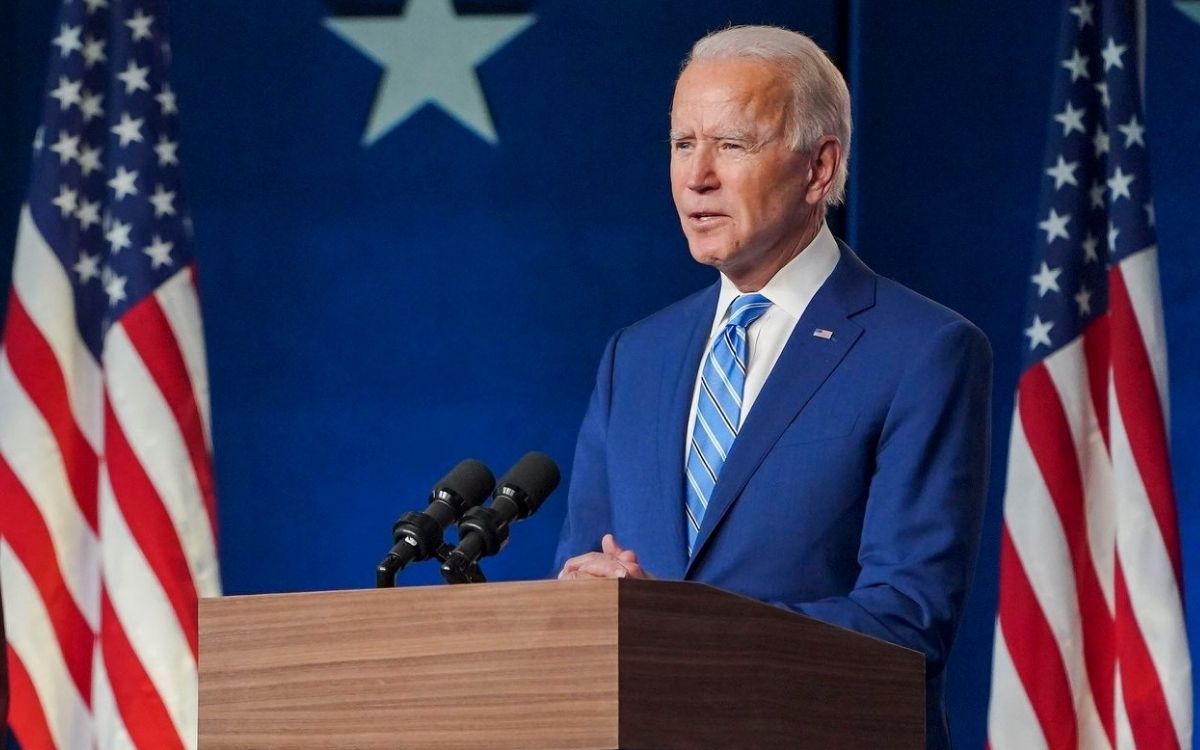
(745, 309)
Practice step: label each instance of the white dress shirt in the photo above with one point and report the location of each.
(790, 290)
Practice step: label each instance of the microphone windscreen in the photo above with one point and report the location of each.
(536, 474)
(470, 480)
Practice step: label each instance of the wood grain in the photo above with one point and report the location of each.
(549, 665)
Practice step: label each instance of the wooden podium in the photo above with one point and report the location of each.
(548, 665)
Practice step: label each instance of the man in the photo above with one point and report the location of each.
(803, 432)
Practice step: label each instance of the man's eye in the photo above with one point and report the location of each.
(681, 145)
(731, 146)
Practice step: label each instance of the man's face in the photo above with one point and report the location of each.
(738, 186)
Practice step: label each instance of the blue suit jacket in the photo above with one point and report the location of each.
(855, 489)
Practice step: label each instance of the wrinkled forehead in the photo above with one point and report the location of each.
(741, 92)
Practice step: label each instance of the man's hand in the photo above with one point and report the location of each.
(611, 562)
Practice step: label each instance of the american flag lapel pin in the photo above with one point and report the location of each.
(821, 333)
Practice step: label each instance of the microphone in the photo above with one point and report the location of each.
(417, 536)
(484, 530)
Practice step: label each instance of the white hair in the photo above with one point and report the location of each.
(820, 103)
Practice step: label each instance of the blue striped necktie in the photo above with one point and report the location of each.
(719, 407)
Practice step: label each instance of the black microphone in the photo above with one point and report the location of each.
(484, 530)
(417, 536)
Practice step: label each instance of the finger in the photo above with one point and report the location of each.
(609, 567)
(609, 546)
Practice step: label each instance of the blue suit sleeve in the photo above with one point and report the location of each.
(926, 499)
(588, 515)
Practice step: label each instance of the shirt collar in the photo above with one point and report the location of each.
(793, 286)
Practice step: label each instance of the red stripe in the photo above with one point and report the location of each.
(1141, 690)
(1096, 354)
(39, 372)
(1142, 414)
(150, 331)
(1049, 434)
(151, 526)
(25, 531)
(1034, 651)
(146, 718)
(25, 714)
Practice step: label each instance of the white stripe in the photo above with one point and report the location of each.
(42, 283)
(154, 435)
(1140, 272)
(1012, 724)
(179, 302)
(1150, 577)
(737, 398)
(147, 617)
(31, 451)
(1068, 371)
(32, 637)
(111, 733)
(1037, 534)
(708, 431)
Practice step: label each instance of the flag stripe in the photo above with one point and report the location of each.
(111, 733)
(180, 304)
(151, 529)
(1012, 723)
(147, 620)
(1053, 447)
(29, 449)
(1145, 704)
(1141, 412)
(30, 541)
(36, 369)
(41, 282)
(152, 336)
(1037, 661)
(138, 701)
(64, 710)
(25, 712)
(1096, 354)
(159, 447)
(1157, 610)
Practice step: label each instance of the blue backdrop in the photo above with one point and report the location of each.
(374, 313)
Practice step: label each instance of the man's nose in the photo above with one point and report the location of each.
(702, 173)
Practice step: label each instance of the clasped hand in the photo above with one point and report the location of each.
(612, 561)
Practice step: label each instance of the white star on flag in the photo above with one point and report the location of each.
(1077, 64)
(1133, 131)
(1055, 226)
(1083, 298)
(128, 129)
(1039, 332)
(118, 235)
(67, 147)
(122, 183)
(1046, 279)
(67, 92)
(1112, 54)
(1063, 173)
(139, 24)
(1119, 184)
(162, 200)
(1083, 12)
(67, 40)
(159, 251)
(134, 77)
(88, 267)
(1071, 119)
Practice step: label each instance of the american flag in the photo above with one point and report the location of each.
(107, 518)
(1090, 645)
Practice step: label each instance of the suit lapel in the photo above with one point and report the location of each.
(804, 365)
(680, 355)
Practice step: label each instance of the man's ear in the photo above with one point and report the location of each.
(826, 158)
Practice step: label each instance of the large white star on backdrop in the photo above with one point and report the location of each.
(428, 55)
